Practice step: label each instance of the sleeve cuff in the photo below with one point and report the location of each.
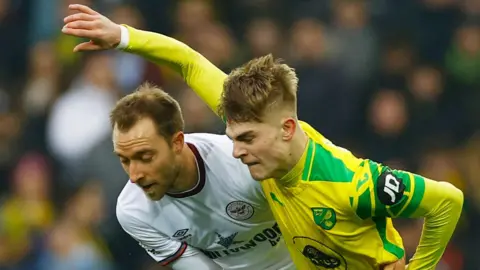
(124, 38)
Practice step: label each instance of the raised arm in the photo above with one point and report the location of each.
(199, 73)
(381, 192)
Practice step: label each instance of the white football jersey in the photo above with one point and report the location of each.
(226, 215)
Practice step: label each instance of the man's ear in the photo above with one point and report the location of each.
(289, 126)
(178, 141)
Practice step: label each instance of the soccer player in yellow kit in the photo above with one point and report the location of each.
(333, 208)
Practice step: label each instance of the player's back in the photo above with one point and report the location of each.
(328, 216)
(226, 215)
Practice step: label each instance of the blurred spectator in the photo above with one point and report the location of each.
(429, 115)
(397, 59)
(354, 42)
(215, 42)
(9, 141)
(436, 21)
(463, 60)
(54, 12)
(131, 70)
(197, 115)
(263, 37)
(191, 16)
(43, 82)
(13, 23)
(387, 138)
(471, 8)
(320, 80)
(463, 64)
(81, 114)
(73, 243)
(26, 213)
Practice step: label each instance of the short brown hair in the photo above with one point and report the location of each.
(148, 101)
(262, 83)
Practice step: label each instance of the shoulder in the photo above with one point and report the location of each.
(133, 206)
(227, 176)
(327, 161)
(210, 142)
(381, 191)
(215, 150)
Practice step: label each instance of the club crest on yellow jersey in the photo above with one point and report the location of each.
(324, 217)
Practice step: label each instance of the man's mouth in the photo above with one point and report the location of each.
(147, 187)
(250, 164)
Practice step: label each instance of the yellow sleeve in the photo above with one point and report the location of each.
(441, 206)
(199, 73)
(382, 192)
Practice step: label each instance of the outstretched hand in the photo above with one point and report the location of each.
(87, 23)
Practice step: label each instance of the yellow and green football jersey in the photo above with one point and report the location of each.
(331, 213)
(333, 208)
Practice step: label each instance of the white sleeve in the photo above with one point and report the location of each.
(197, 262)
(163, 249)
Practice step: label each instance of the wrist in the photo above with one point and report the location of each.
(124, 38)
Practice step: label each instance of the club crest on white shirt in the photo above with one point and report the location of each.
(240, 210)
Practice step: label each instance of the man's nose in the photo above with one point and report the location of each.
(238, 151)
(134, 173)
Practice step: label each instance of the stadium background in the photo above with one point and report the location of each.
(395, 81)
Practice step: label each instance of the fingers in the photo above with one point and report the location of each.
(400, 264)
(78, 32)
(389, 267)
(79, 17)
(87, 25)
(82, 8)
(87, 46)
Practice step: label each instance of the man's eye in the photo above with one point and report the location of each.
(248, 140)
(124, 161)
(147, 158)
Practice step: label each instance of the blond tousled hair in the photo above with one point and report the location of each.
(261, 85)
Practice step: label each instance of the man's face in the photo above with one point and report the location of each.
(260, 146)
(147, 158)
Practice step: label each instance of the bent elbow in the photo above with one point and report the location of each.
(454, 196)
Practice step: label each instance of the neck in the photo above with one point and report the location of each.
(187, 177)
(297, 147)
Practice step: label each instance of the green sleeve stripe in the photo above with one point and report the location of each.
(376, 170)
(396, 209)
(364, 206)
(381, 225)
(417, 195)
(309, 160)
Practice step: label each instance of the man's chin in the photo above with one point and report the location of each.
(258, 175)
(154, 196)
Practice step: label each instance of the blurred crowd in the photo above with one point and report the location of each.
(395, 81)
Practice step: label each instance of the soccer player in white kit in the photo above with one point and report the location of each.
(189, 203)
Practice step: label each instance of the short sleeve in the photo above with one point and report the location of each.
(159, 246)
